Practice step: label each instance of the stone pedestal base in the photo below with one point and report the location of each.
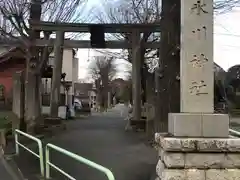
(198, 125)
(198, 158)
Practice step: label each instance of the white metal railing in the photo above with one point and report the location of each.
(76, 157)
(234, 133)
(40, 147)
(106, 171)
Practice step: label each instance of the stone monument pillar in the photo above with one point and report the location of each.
(197, 145)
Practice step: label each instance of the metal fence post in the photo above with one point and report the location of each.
(47, 164)
(234, 133)
(76, 157)
(16, 143)
(41, 157)
(40, 147)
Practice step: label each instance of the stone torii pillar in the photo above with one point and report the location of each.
(136, 75)
(57, 71)
(198, 144)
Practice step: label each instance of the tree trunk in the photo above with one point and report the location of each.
(150, 88)
(144, 76)
(169, 92)
(32, 100)
(130, 94)
(105, 90)
(130, 55)
(38, 94)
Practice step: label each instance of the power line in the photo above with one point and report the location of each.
(226, 29)
(226, 34)
(238, 47)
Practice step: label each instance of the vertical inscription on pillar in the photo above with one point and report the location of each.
(199, 7)
(197, 56)
(199, 61)
(198, 88)
(200, 32)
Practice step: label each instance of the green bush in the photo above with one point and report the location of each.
(5, 122)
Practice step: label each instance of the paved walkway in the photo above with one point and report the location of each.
(103, 140)
(6, 172)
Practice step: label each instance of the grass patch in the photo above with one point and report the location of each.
(5, 120)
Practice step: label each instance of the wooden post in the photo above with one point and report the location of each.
(57, 71)
(136, 78)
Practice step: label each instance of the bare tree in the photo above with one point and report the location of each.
(139, 11)
(135, 11)
(144, 11)
(14, 14)
(15, 29)
(102, 70)
(224, 6)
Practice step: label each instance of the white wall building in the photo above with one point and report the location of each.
(69, 66)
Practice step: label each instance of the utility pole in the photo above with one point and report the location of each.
(168, 86)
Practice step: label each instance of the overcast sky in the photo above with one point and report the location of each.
(226, 43)
(227, 39)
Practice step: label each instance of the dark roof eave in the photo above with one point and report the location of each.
(6, 56)
(2, 60)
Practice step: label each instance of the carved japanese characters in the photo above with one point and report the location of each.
(198, 7)
(200, 32)
(199, 61)
(196, 77)
(198, 88)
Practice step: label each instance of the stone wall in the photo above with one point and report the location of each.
(197, 158)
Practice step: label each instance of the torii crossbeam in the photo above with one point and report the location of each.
(85, 28)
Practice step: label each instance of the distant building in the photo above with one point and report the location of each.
(11, 61)
(86, 92)
(70, 68)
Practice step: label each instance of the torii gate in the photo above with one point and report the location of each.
(59, 43)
